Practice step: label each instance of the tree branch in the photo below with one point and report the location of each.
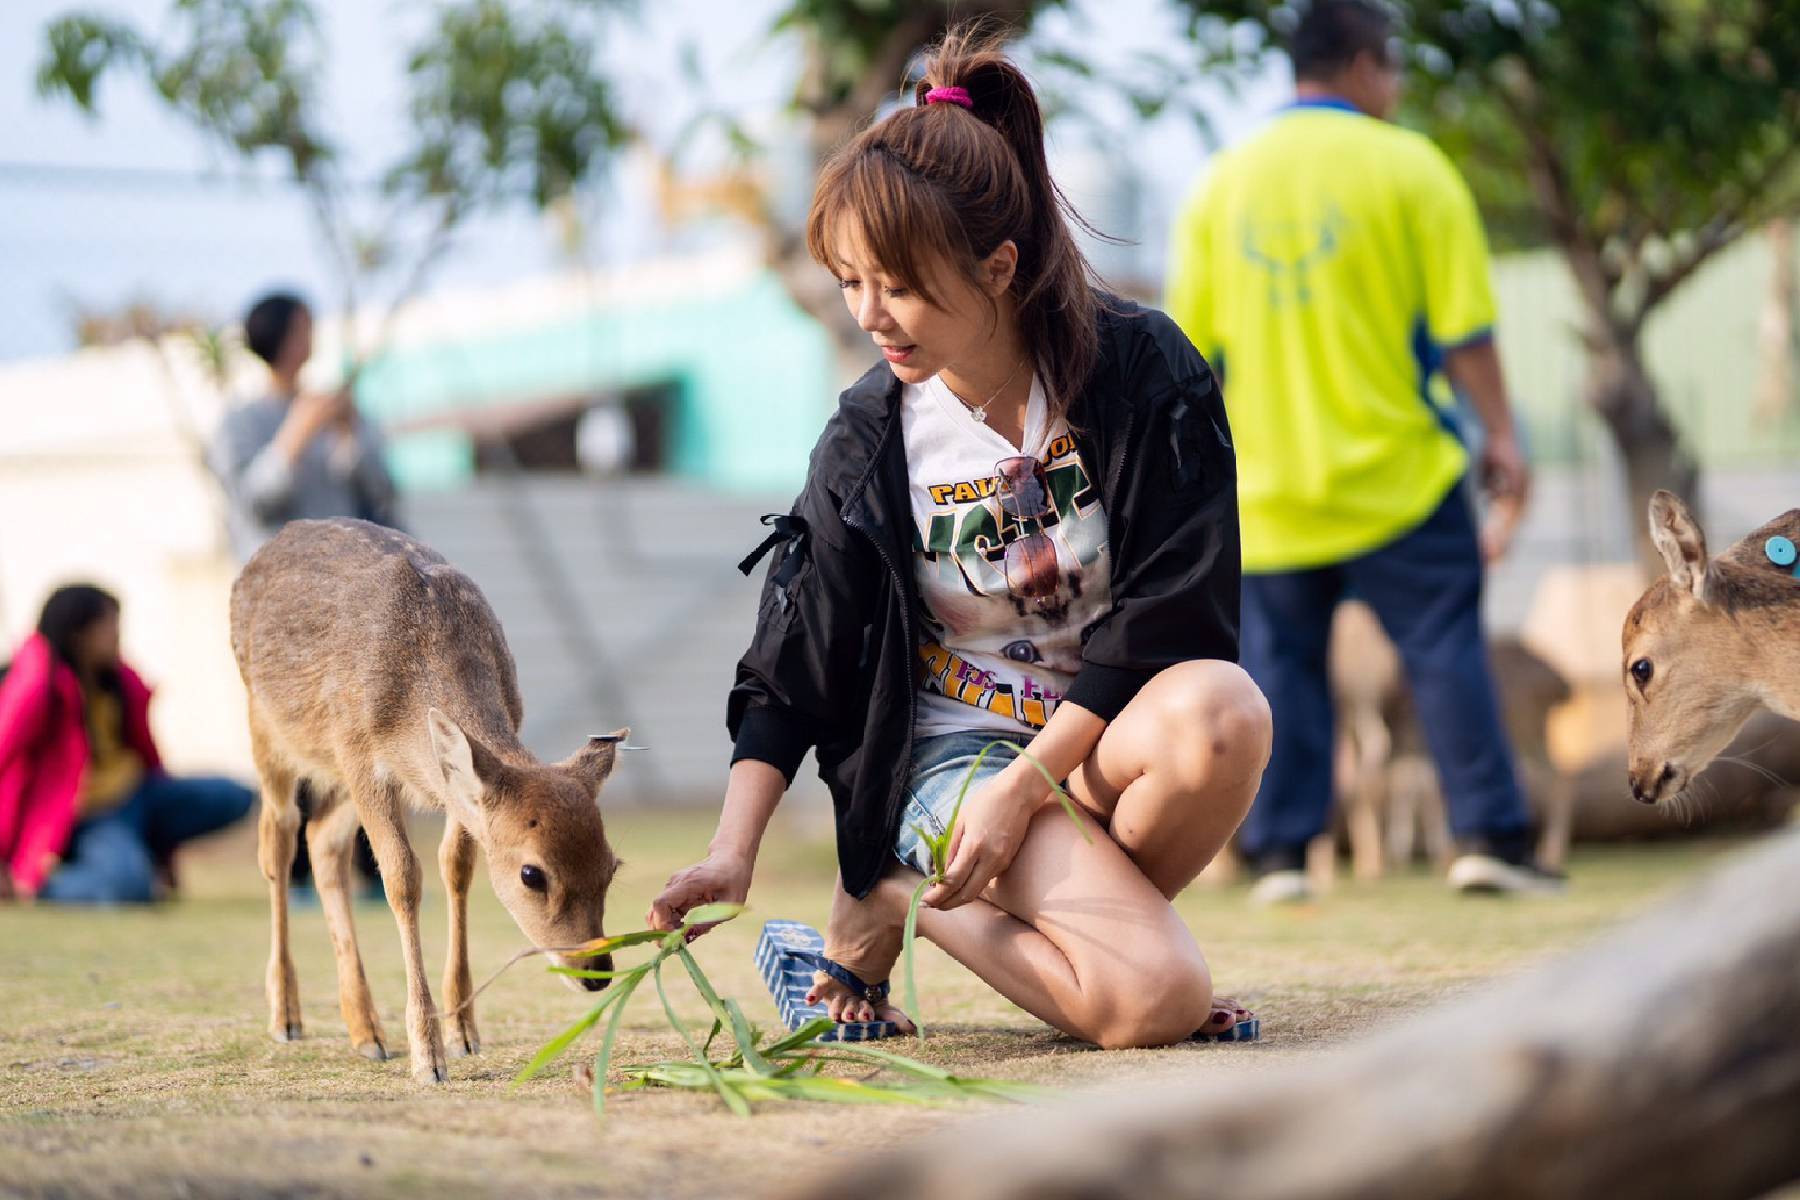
(1725, 228)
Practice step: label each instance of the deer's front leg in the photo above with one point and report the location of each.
(456, 858)
(277, 835)
(382, 814)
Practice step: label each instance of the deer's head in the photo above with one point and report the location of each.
(1688, 656)
(540, 830)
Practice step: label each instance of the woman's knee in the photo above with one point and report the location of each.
(1215, 720)
(1164, 1006)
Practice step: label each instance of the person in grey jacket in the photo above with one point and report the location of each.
(296, 454)
(292, 455)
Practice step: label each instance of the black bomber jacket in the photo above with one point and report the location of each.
(834, 665)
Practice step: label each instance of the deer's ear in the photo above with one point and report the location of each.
(456, 757)
(594, 762)
(1682, 546)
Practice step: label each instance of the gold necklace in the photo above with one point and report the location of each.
(979, 412)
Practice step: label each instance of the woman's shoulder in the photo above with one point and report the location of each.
(1144, 344)
(850, 437)
(32, 667)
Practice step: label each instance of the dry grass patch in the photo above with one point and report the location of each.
(134, 1058)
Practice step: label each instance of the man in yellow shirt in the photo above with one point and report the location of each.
(1329, 267)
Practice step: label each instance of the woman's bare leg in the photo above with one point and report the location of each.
(1081, 933)
(1176, 771)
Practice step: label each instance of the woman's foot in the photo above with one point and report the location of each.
(864, 937)
(1226, 1013)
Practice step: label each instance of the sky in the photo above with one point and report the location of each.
(96, 213)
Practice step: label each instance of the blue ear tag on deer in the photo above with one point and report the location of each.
(1781, 552)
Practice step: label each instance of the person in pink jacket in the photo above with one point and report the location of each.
(86, 810)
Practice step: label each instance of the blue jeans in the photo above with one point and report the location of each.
(940, 765)
(111, 858)
(1425, 587)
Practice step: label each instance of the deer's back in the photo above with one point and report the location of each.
(343, 623)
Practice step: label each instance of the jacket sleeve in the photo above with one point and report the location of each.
(24, 713)
(255, 473)
(1177, 565)
(795, 682)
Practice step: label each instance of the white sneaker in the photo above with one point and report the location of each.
(1485, 874)
(1282, 887)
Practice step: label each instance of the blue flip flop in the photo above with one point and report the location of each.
(787, 954)
(1247, 1030)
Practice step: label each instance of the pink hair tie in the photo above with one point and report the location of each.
(950, 95)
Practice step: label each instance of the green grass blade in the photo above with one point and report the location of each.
(746, 1040)
(584, 973)
(567, 1037)
(888, 1058)
(728, 1013)
(619, 941)
(911, 936)
(800, 1037)
(1062, 796)
(712, 914)
(735, 1102)
(603, 1060)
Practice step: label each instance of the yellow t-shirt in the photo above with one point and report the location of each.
(114, 769)
(1322, 266)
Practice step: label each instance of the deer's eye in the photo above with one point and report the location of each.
(533, 878)
(1641, 670)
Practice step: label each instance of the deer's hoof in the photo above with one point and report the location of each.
(459, 1047)
(286, 1033)
(373, 1051)
(430, 1073)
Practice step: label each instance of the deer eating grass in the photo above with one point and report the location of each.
(1708, 646)
(378, 676)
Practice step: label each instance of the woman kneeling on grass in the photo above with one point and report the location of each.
(1021, 525)
(87, 813)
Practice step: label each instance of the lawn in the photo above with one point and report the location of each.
(135, 1059)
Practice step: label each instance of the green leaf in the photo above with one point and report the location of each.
(907, 952)
(584, 973)
(567, 1037)
(709, 914)
(800, 1037)
(620, 941)
(735, 1102)
(728, 1012)
(603, 1060)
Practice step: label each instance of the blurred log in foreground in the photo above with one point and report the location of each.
(1661, 1061)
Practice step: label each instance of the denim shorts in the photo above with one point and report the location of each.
(934, 781)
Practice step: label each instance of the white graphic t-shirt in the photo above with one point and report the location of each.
(1010, 553)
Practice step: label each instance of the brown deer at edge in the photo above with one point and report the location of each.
(1706, 647)
(377, 674)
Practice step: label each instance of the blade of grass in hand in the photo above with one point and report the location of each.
(728, 1013)
(732, 1099)
(603, 1060)
(567, 1037)
(910, 936)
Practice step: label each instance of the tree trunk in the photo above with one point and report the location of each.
(1663, 1061)
(1620, 390)
(1778, 334)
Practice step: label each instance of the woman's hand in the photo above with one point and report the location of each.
(988, 833)
(721, 877)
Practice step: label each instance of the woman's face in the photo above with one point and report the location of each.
(919, 339)
(97, 646)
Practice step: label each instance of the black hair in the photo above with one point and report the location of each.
(267, 323)
(69, 612)
(1332, 33)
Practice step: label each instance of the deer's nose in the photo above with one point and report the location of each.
(1648, 793)
(603, 963)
